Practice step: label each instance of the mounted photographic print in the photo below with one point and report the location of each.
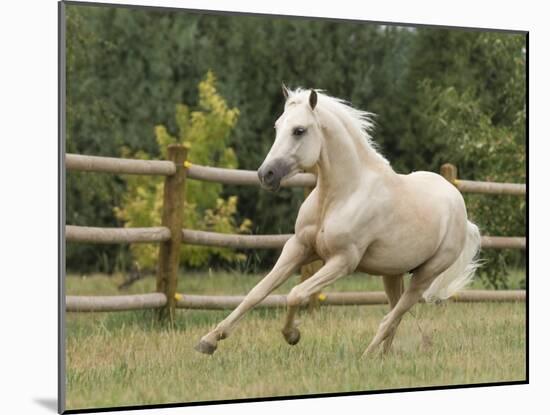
(258, 207)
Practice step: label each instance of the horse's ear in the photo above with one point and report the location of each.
(285, 91)
(312, 99)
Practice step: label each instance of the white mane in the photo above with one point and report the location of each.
(360, 121)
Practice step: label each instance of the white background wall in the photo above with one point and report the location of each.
(28, 203)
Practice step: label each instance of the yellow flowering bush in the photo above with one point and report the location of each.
(205, 130)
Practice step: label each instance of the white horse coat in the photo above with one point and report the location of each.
(360, 216)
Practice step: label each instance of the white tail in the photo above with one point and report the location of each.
(458, 275)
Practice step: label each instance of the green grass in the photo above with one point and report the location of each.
(128, 359)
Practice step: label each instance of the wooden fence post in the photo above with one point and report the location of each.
(449, 172)
(172, 218)
(309, 269)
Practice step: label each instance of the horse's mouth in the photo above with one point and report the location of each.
(271, 174)
(273, 189)
(276, 186)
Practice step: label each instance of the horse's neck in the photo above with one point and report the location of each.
(346, 162)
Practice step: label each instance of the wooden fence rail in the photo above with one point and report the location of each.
(115, 302)
(224, 302)
(77, 162)
(98, 164)
(468, 186)
(243, 177)
(503, 242)
(116, 235)
(203, 238)
(450, 172)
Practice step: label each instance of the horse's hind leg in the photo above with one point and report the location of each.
(420, 281)
(394, 287)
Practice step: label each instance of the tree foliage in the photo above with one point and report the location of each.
(476, 120)
(89, 112)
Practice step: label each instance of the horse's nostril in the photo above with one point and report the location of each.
(269, 174)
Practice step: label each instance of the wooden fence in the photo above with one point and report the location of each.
(171, 234)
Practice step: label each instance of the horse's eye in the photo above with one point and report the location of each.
(299, 131)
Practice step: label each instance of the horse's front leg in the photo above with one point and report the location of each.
(334, 268)
(293, 255)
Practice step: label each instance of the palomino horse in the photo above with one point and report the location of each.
(360, 216)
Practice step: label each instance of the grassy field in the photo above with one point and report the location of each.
(128, 359)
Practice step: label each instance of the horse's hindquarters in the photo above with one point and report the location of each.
(424, 214)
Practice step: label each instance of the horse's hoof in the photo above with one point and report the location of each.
(370, 352)
(292, 336)
(204, 347)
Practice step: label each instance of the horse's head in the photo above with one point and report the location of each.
(297, 143)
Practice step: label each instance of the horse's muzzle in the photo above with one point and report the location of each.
(272, 173)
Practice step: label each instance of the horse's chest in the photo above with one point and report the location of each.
(329, 239)
(322, 247)
(332, 230)
(315, 237)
